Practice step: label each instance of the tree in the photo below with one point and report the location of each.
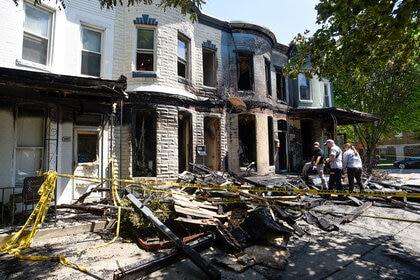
(370, 51)
(187, 6)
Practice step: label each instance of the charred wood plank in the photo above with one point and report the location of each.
(223, 231)
(289, 220)
(160, 260)
(357, 212)
(195, 257)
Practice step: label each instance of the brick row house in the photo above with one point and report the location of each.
(151, 90)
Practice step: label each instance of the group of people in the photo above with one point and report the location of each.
(339, 162)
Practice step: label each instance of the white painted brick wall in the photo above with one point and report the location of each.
(66, 45)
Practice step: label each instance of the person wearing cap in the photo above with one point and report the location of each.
(317, 160)
(336, 165)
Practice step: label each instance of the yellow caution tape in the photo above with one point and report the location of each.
(144, 183)
(23, 238)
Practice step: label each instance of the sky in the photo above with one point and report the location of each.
(285, 18)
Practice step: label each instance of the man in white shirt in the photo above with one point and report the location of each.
(336, 165)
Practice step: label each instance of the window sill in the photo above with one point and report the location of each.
(184, 81)
(144, 74)
(27, 63)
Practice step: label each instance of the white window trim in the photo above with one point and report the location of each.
(134, 65)
(97, 29)
(187, 40)
(50, 10)
(310, 99)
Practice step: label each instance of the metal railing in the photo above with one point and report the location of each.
(10, 204)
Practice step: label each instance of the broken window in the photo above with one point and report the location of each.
(280, 85)
(209, 69)
(145, 49)
(183, 50)
(36, 35)
(144, 143)
(304, 88)
(245, 71)
(91, 51)
(268, 76)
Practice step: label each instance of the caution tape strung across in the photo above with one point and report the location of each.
(23, 238)
(143, 183)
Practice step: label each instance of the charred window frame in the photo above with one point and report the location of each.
(268, 76)
(209, 67)
(91, 51)
(36, 35)
(245, 71)
(304, 88)
(144, 143)
(280, 85)
(183, 57)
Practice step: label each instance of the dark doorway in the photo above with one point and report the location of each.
(282, 149)
(185, 154)
(247, 141)
(212, 142)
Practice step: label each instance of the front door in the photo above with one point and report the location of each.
(87, 162)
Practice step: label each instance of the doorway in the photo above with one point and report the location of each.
(212, 142)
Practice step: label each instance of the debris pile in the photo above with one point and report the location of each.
(248, 216)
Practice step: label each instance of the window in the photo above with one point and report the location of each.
(183, 51)
(87, 146)
(245, 71)
(268, 76)
(36, 35)
(145, 50)
(29, 143)
(327, 95)
(209, 69)
(91, 52)
(304, 88)
(280, 85)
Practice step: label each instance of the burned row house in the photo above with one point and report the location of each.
(150, 90)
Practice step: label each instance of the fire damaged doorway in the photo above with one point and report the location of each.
(212, 142)
(282, 146)
(247, 141)
(185, 153)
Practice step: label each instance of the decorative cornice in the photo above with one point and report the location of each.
(145, 19)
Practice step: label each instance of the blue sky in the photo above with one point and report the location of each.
(285, 18)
